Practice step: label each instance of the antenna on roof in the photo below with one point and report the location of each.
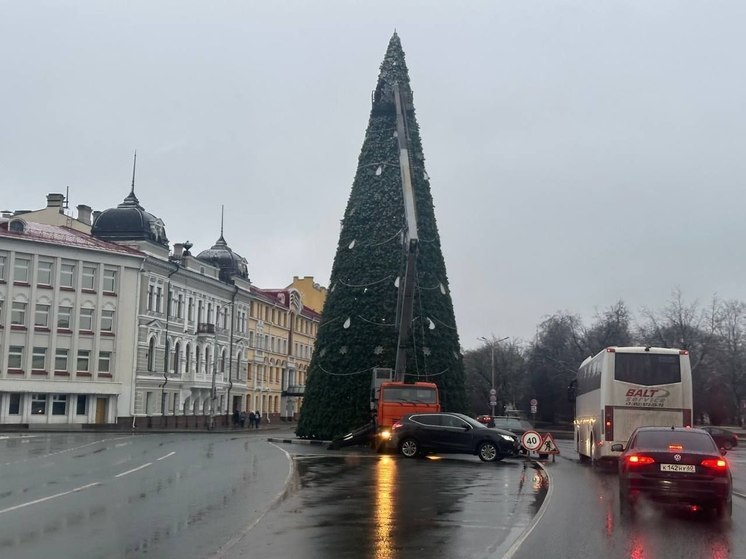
(134, 166)
(67, 197)
(222, 212)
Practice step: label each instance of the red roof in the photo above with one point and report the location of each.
(63, 236)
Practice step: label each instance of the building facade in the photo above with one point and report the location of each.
(67, 333)
(125, 330)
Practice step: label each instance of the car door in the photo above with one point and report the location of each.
(457, 435)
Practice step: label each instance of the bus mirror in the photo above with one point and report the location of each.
(572, 391)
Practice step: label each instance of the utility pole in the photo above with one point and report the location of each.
(493, 392)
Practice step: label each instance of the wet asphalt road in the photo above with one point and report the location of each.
(111, 496)
(195, 496)
(357, 504)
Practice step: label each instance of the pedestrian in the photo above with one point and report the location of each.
(257, 420)
(243, 419)
(252, 420)
(235, 417)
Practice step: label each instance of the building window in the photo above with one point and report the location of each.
(39, 359)
(104, 361)
(180, 307)
(89, 277)
(18, 314)
(81, 404)
(60, 360)
(177, 358)
(59, 404)
(110, 281)
(199, 361)
(158, 299)
(67, 275)
(190, 310)
(15, 357)
(188, 360)
(86, 320)
(151, 355)
(84, 361)
(151, 289)
(44, 273)
(107, 321)
(64, 315)
(3, 264)
(14, 404)
(41, 316)
(21, 272)
(39, 404)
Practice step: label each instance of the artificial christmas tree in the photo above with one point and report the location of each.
(359, 324)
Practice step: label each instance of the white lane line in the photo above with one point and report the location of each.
(166, 456)
(81, 488)
(134, 470)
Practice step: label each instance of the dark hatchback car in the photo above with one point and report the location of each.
(723, 438)
(674, 466)
(451, 433)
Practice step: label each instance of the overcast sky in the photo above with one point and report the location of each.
(580, 152)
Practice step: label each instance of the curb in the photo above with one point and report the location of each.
(299, 441)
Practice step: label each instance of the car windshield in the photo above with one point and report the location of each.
(686, 441)
(511, 423)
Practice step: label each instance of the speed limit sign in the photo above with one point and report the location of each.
(531, 440)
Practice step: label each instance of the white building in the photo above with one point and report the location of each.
(67, 333)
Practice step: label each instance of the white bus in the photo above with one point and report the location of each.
(622, 388)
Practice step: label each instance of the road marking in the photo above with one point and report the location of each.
(166, 456)
(134, 470)
(77, 489)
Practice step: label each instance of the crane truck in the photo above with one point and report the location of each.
(391, 395)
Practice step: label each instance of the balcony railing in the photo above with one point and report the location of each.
(294, 390)
(205, 329)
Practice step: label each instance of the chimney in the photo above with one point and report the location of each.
(55, 200)
(84, 214)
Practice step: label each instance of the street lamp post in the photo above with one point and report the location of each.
(493, 393)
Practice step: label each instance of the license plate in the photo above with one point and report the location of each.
(687, 468)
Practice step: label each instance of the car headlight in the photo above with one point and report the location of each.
(385, 435)
(508, 438)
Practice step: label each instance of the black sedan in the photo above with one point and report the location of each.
(723, 438)
(674, 466)
(451, 433)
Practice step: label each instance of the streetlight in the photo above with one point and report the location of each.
(493, 342)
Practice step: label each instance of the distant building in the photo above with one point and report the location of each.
(114, 327)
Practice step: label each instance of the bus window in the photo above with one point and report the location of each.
(648, 369)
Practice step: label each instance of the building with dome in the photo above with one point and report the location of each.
(177, 340)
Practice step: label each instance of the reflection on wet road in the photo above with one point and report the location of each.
(363, 505)
(582, 520)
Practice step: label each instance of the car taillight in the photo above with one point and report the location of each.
(396, 425)
(715, 463)
(637, 460)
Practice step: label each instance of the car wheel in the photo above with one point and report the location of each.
(487, 452)
(409, 448)
(724, 510)
(727, 445)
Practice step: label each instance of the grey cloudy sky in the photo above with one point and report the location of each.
(580, 152)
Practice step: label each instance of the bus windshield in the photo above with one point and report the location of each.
(648, 369)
